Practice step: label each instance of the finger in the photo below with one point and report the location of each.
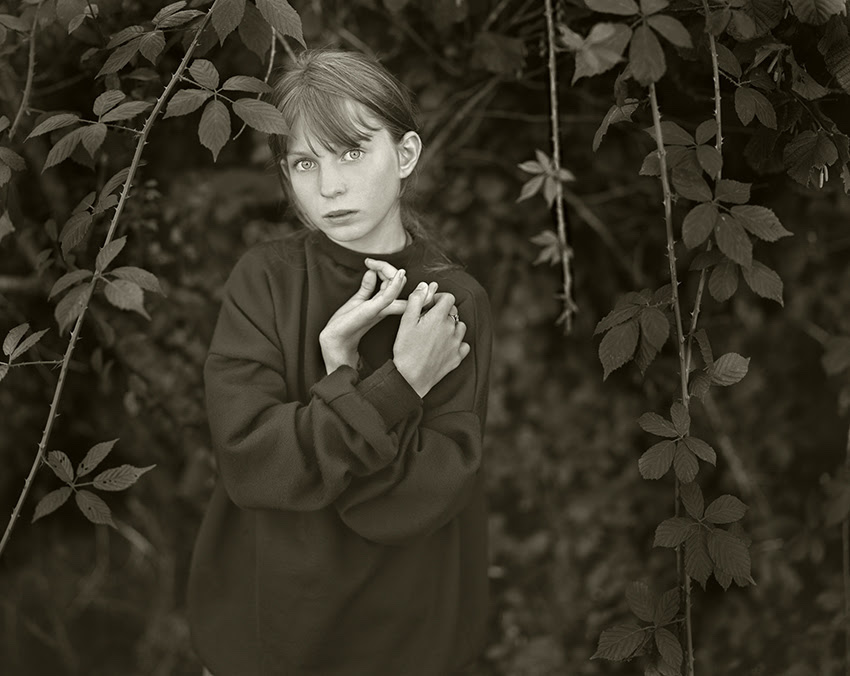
(414, 305)
(465, 349)
(443, 302)
(391, 289)
(429, 297)
(460, 330)
(397, 307)
(386, 271)
(367, 285)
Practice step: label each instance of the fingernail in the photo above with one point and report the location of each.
(421, 286)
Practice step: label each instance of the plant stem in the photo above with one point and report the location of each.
(845, 543)
(109, 235)
(30, 74)
(570, 307)
(680, 337)
(272, 54)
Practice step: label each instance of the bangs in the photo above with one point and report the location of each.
(331, 120)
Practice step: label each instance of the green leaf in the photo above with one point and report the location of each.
(669, 647)
(691, 185)
(114, 182)
(710, 160)
(107, 101)
(659, 426)
(673, 532)
(648, 7)
(126, 295)
(168, 10)
(681, 418)
(186, 101)
(120, 478)
(602, 49)
(760, 221)
(656, 461)
(808, 150)
(151, 45)
(226, 15)
(723, 281)
(280, 16)
(685, 463)
(655, 327)
(120, 57)
(729, 553)
(92, 137)
(254, 32)
(179, 18)
(617, 316)
(29, 341)
(620, 642)
(618, 346)
(214, 130)
(126, 111)
(245, 83)
(726, 59)
(672, 134)
(108, 253)
(764, 281)
(621, 7)
(817, 12)
(641, 600)
(692, 499)
(51, 502)
(74, 231)
(750, 102)
(697, 558)
(732, 191)
(124, 35)
(69, 280)
(143, 278)
(729, 369)
(646, 57)
(733, 240)
(667, 607)
(645, 354)
(94, 457)
(704, 347)
(70, 307)
(699, 223)
(700, 448)
(725, 509)
(14, 337)
(836, 355)
(54, 122)
(205, 73)
(94, 508)
(615, 114)
(706, 131)
(672, 29)
(63, 148)
(61, 466)
(835, 47)
(261, 116)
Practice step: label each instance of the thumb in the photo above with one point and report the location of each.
(367, 286)
(415, 301)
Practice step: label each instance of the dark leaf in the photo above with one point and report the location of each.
(733, 240)
(658, 425)
(725, 509)
(94, 457)
(764, 281)
(729, 553)
(700, 448)
(691, 185)
(14, 337)
(75, 231)
(119, 478)
(143, 278)
(723, 281)
(646, 57)
(655, 327)
(205, 73)
(621, 7)
(710, 160)
(692, 499)
(672, 29)
(254, 32)
(94, 508)
(699, 223)
(673, 532)
(226, 15)
(760, 221)
(656, 461)
(261, 116)
(617, 316)
(641, 600)
(245, 83)
(672, 134)
(69, 280)
(620, 642)
(70, 307)
(681, 418)
(697, 559)
(61, 466)
(107, 101)
(126, 295)
(186, 101)
(51, 502)
(214, 129)
(280, 16)
(152, 45)
(729, 369)
(685, 463)
(669, 647)
(63, 148)
(667, 607)
(108, 253)
(92, 137)
(618, 346)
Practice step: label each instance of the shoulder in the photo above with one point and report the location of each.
(270, 258)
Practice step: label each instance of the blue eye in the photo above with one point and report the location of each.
(354, 154)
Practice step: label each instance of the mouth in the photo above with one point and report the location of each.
(339, 213)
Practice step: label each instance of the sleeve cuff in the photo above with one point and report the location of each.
(390, 394)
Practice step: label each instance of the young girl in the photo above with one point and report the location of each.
(346, 389)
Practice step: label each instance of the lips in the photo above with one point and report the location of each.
(338, 213)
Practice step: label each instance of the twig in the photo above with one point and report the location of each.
(30, 72)
(272, 52)
(570, 307)
(845, 570)
(497, 10)
(54, 405)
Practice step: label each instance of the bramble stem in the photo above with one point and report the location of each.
(25, 99)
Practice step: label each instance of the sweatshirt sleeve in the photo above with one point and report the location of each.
(440, 448)
(273, 451)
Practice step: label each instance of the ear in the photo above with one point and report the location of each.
(409, 149)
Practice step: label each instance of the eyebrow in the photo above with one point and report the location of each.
(297, 151)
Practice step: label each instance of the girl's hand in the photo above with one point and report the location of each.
(341, 336)
(386, 271)
(429, 346)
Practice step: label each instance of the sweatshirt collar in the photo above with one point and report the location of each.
(404, 258)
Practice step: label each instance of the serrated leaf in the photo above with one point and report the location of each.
(672, 29)
(107, 101)
(124, 35)
(245, 83)
(92, 137)
(120, 57)
(531, 187)
(654, 327)
(226, 15)
(669, 647)
(685, 463)
(672, 134)
(656, 461)
(760, 221)
(749, 102)
(733, 240)
(764, 281)
(214, 129)
(63, 148)
(51, 502)
(70, 307)
(700, 448)
(698, 562)
(726, 59)
(699, 223)
(94, 508)
(681, 418)
(621, 7)
(151, 45)
(836, 355)
(641, 600)
(205, 73)
(126, 111)
(68, 280)
(692, 499)
(648, 7)
(729, 369)
(601, 50)
(114, 182)
(179, 18)
(706, 131)
(616, 113)
(617, 346)
(704, 347)
(168, 10)
(94, 457)
(12, 159)
(74, 231)
(667, 607)
(723, 281)
(617, 316)
(126, 295)
(14, 337)
(119, 478)
(806, 151)
(673, 532)
(710, 160)
(280, 16)
(729, 553)
(620, 642)
(108, 253)
(61, 466)
(732, 191)
(186, 101)
(646, 57)
(657, 425)
(691, 185)
(725, 509)
(261, 116)
(28, 342)
(146, 280)
(254, 31)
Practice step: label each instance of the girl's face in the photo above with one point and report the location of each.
(352, 194)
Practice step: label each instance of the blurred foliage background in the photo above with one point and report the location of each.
(572, 521)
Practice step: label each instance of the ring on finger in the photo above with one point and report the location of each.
(456, 318)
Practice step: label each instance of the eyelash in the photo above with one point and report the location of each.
(297, 163)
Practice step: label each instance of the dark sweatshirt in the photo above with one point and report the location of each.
(347, 532)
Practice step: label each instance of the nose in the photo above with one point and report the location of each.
(331, 182)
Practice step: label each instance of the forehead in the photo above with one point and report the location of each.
(344, 124)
